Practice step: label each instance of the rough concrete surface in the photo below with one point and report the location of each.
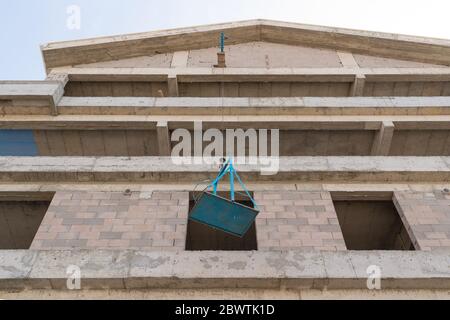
(295, 270)
(120, 169)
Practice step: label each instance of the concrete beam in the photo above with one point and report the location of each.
(28, 195)
(172, 86)
(164, 169)
(25, 270)
(257, 74)
(256, 106)
(339, 191)
(383, 139)
(27, 89)
(357, 88)
(281, 122)
(150, 43)
(133, 45)
(63, 78)
(162, 131)
(30, 97)
(356, 41)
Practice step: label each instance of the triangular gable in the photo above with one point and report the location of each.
(419, 49)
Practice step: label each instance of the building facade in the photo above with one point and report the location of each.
(357, 206)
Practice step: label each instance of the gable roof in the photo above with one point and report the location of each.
(420, 49)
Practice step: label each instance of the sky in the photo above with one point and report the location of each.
(27, 24)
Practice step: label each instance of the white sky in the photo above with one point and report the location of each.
(26, 24)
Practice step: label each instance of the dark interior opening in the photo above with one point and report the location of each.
(372, 225)
(202, 237)
(19, 222)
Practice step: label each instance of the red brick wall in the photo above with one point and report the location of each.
(426, 217)
(297, 220)
(155, 220)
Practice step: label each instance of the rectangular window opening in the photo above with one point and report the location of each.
(202, 237)
(20, 218)
(370, 221)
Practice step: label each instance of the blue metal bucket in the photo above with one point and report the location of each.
(223, 214)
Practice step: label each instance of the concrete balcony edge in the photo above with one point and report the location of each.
(28, 270)
(167, 169)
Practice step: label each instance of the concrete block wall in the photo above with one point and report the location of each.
(426, 216)
(109, 220)
(291, 220)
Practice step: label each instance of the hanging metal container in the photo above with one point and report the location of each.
(225, 214)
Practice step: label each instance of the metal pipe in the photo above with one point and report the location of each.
(222, 42)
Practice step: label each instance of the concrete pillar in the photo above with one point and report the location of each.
(172, 85)
(357, 88)
(383, 139)
(162, 131)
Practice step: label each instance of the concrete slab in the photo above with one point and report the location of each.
(143, 264)
(303, 270)
(294, 270)
(99, 269)
(325, 169)
(15, 268)
(158, 169)
(255, 106)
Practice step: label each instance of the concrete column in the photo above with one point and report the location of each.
(357, 88)
(172, 85)
(383, 139)
(63, 79)
(162, 131)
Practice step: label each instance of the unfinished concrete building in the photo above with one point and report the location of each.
(86, 177)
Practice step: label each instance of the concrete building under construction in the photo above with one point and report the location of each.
(362, 190)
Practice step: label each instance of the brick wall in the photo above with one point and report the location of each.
(154, 220)
(426, 217)
(297, 220)
(289, 220)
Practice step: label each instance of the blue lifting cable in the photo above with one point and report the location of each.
(221, 213)
(228, 168)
